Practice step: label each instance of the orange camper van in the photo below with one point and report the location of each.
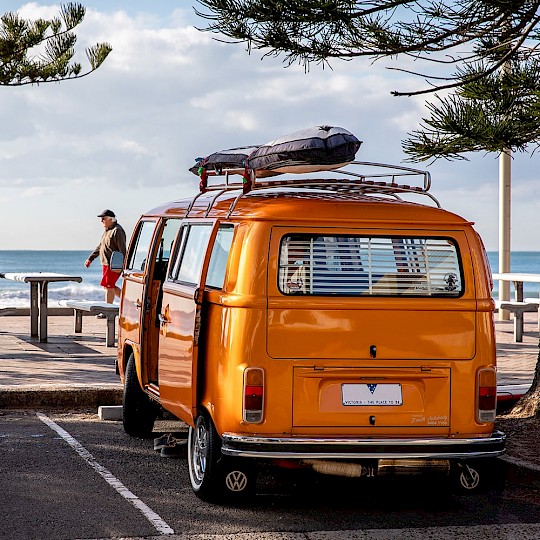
(322, 322)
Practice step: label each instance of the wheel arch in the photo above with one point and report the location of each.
(128, 349)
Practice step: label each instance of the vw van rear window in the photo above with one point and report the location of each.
(376, 266)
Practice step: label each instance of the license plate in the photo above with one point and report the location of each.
(371, 394)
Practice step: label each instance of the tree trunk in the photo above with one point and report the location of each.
(529, 404)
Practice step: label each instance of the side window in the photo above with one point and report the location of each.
(138, 256)
(164, 247)
(219, 257)
(187, 268)
(176, 257)
(170, 230)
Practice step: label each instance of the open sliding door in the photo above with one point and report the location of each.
(180, 319)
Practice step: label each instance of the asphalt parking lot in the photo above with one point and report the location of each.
(86, 479)
(69, 475)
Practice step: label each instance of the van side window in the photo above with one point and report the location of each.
(377, 266)
(139, 253)
(170, 230)
(190, 254)
(163, 254)
(174, 264)
(218, 259)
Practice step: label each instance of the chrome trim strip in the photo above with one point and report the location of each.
(496, 438)
(350, 456)
(304, 448)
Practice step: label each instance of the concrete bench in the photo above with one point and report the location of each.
(517, 308)
(537, 302)
(109, 310)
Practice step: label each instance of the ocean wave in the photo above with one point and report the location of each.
(12, 298)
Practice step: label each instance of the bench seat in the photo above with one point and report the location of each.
(109, 310)
(517, 308)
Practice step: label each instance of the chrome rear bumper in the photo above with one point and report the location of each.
(348, 448)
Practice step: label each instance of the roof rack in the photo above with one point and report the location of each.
(345, 180)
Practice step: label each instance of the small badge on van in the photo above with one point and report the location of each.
(451, 282)
(295, 285)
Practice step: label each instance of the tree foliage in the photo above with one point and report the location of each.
(455, 33)
(42, 50)
(495, 113)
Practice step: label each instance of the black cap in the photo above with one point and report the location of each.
(108, 213)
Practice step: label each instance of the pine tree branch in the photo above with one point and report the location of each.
(307, 31)
(55, 38)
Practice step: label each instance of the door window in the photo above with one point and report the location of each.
(138, 257)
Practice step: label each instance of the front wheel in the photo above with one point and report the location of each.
(214, 477)
(138, 410)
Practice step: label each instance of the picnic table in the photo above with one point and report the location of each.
(518, 279)
(520, 304)
(39, 282)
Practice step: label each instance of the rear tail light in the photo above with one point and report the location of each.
(253, 395)
(486, 397)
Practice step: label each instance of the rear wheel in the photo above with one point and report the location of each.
(138, 410)
(214, 477)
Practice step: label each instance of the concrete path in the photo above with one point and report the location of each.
(69, 370)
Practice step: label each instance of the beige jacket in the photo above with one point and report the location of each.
(112, 239)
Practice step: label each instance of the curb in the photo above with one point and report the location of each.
(62, 398)
(522, 471)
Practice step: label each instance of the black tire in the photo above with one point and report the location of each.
(138, 410)
(214, 477)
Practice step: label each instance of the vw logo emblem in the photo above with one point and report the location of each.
(236, 481)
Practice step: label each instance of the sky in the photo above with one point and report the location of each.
(125, 136)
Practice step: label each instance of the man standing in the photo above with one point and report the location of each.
(112, 239)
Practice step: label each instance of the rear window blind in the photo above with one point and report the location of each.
(377, 266)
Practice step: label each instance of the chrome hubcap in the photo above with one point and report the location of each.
(199, 451)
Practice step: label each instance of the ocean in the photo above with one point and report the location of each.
(13, 294)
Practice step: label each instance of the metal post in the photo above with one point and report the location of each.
(504, 227)
(111, 330)
(34, 309)
(43, 312)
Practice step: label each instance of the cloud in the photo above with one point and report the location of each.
(125, 136)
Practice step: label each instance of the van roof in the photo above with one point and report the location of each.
(304, 205)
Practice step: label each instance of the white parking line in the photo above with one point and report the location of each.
(148, 513)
